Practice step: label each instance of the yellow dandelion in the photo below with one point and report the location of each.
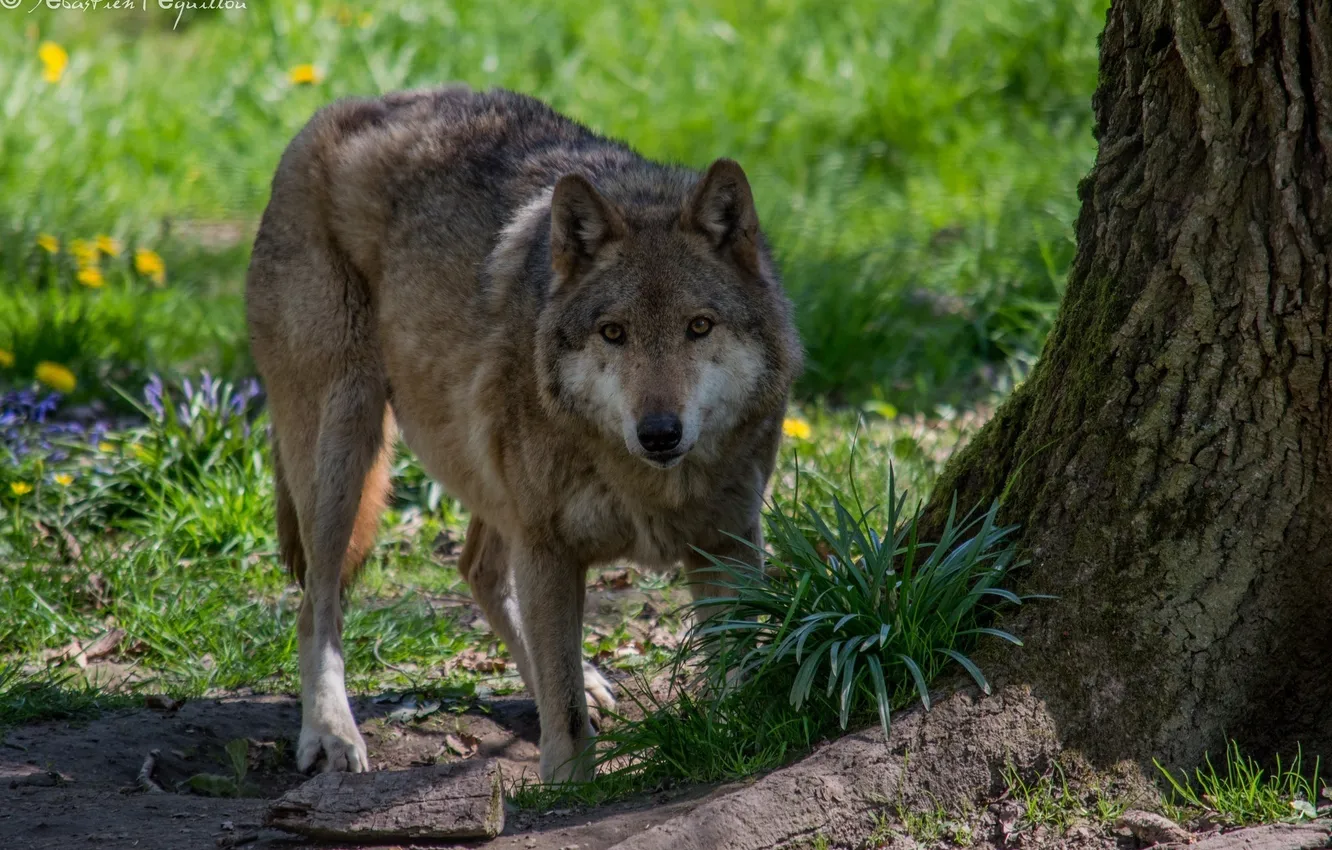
(106, 448)
(797, 428)
(84, 251)
(91, 277)
(54, 60)
(344, 16)
(109, 246)
(64, 479)
(48, 243)
(6, 358)
(149, 263)
(305, 75)
(56, 377)
(20, 488)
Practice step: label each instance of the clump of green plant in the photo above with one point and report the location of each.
(926, 827)
(217, 785)
(1245, 793)
(858, 614)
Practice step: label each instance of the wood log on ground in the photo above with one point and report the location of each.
(462, 800)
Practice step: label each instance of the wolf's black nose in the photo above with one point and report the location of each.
(659, 432)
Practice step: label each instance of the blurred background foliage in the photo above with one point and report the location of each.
(915, 164)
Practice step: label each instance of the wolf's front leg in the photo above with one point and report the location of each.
(327, 725)
(550, 591)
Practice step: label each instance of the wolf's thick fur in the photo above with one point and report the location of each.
(592, 351)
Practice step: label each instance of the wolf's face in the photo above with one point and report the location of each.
(667, 326)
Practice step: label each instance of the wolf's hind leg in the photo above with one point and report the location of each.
(350, 482)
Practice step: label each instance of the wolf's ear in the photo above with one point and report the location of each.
(722, 208)
(582, 222)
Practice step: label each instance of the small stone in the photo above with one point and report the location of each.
(1150, 828)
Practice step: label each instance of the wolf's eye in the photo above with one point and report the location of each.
(700, 327)
(612, 333)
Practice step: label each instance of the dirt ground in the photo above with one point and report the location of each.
(68, 785)
(73, 785)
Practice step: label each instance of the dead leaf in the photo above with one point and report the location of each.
(1007, 814)
(104, 645)
(414, 709)
(479, 662)
(97, 591)
(462, 744)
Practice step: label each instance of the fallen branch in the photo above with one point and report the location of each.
(145, 777)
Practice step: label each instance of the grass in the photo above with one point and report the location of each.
(163, 526)
(51, 695)
(1050, 800)
(173, 528)
(915, 164)
(1243, 793)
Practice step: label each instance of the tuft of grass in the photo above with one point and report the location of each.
(48, 694)
(1244, 793)
(1052, 801)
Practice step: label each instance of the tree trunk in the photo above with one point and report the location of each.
(1170, 457)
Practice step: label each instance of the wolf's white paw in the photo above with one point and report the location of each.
(600, 693)
(561, 763)
(336, 739)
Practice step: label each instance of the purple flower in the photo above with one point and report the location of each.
(209, 388)
(152, 394)
(45, 407)
(248, 391)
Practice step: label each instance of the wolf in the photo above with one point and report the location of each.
(592, 351)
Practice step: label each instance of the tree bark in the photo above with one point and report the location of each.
(1170, 456)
